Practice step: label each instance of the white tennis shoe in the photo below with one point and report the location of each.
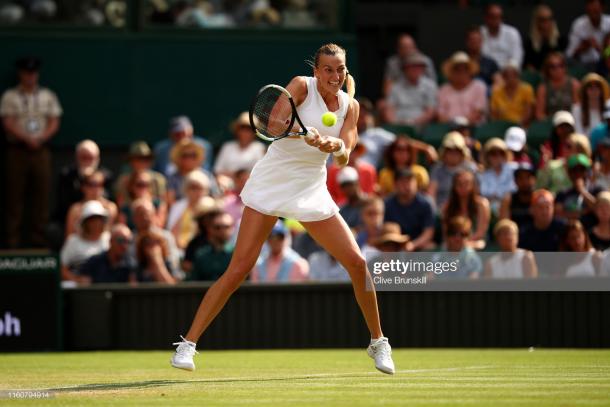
(183, 358)
(381, 351)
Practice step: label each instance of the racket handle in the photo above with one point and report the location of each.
(309, 136)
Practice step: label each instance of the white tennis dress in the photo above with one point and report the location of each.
(290, 180)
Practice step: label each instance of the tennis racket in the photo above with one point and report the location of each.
(273, 115)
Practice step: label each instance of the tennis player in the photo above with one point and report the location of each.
(290, 181)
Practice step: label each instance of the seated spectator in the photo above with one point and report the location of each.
(554, 176)
(367, 175)
(412, 98)
(465, 200)
(488, 68)
(454, 156)
(411, 210)
(556, 146)
(232, 203)
(457, 238)
(206, 209)
(91, 239)
(461, 125)
(69, 189)
(543, 39)
(140, 160)
(497, 180)
(586, 261)
(350, 210)
(390, 239)
(513, 100)
(462, 95)
(243, 152)
(324, 267)
(512, 262)
(152, 252)
(502, 42)
(515, 139)
(187, 156)
(92, 187)
(180, 220)
(401, 154)
(405, 46)
(140, 186)
(578, 201)
(600, 131)
(599, 235)
(601, 171)
(372, 214)
(589, 110)
(587, 33)
(516, 205)
(180, 128)
(375, 139)
(281, 263)
(145, 224)
(558, 90)
(114, 265)
(212, 260)
(542, 234)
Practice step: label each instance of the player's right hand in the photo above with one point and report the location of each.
(314, 138)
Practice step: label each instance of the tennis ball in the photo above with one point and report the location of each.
(329, 119)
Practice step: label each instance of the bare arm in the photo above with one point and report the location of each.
(505, 207)
(530, 269)
(422, 240)
(483, 216)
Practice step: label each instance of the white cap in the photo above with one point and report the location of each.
(515, 138)
(93, 208)
(512, 64)
(347, 174)
(563, 117)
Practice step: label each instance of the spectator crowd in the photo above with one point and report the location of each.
(505, 148)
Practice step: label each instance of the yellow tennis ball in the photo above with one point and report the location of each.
(329, 119)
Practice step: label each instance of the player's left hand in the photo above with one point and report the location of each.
(329, 145)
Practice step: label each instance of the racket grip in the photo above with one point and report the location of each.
(309, 136)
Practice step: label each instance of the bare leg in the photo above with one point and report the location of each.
(253, 231)
(334, 236)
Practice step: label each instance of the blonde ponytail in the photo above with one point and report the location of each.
(350, 85)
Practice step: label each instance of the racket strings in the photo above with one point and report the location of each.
(272, 113)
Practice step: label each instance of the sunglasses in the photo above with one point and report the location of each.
(188, 155)
(122, 240)
(222, 226)
(94, 184)
(458, 234)
(556, 66)
(142, 184)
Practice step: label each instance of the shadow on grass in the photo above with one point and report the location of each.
(160, 383)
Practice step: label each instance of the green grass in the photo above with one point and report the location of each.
(472, 377)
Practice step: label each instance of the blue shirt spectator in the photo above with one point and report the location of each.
(411, 210)
(114, 265)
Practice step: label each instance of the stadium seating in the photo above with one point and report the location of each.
(492, 129)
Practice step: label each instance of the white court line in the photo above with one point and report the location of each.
(161, 382)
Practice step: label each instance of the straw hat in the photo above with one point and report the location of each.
(186, 144)
(242, 120)
(454, 140)
(390, 232)
(459, 58)
(595, 78)
(204, 206)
